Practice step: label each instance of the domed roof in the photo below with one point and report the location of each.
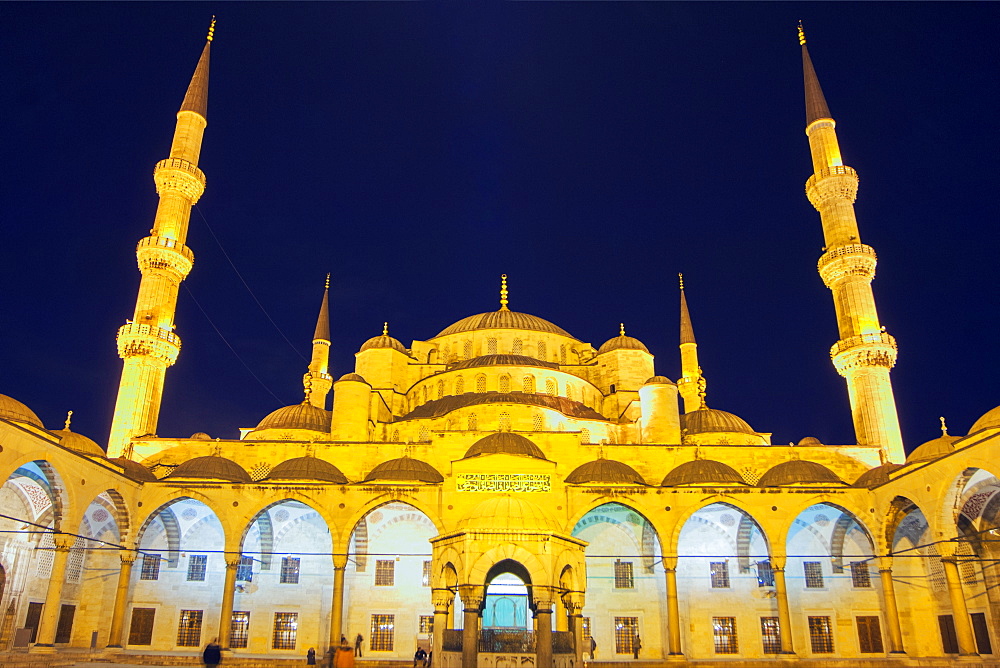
(659, 380)
(211, 467)
(78, 443)
(134, 469)
(606, 471)
(437, 407)
(12, 409)
(505, 512)
(299, 416)
(405, 469)
(307, 468)
(876, 476)
(622, 342)
(798, 471)
(989, 419)
(504, 319)
(200, 436)
(932, 449)
(503, 360)
(383, 341)
(703, 472)
(711, 420)
(505, 442)
(809, 440)
(352, 376)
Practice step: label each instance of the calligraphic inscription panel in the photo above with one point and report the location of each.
(504, 482)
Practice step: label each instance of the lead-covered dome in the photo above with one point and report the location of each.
(299, 416)
(932, 449)
(622, 342)
(876, 476)
(211, 467)
(605, 471)
(78, 443)
(711, 420)
(404, 469)
(383, 341)
(503, 360)
(504, 319)
(797, 472)
(505, 442)
(506, 513)
(12, 409)
(989, 419)
(703, 472)
(307, 468)
(134, 469)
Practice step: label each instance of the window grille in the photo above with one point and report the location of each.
(529, 384)
(289, 570)
(626, 629)
(585, 435)
(473, 423)
(150, 568)
(517, 347)
(197, 565)
(74, 565)
(424, 435)
(459, 385)
(550, 386)
(504, 421)
(491, 346)
(720, 574)
(585, 621)
(504, 384)
(541, 350)
(967, 566)
(244, 570)
(286, 628)
(536, 422)
(814, 574)
(440, 389)
(562, 354)
(385, 573)
(860, 575)
(426, 394)
(189, 628)
(765, 574)
(623, 575)
(425, 577)
(724, 631)
(869, 635)
(239, 630)
(467, 350)
(480, 383)
(569, 391)
(381, 636)
(426, 625)
(821, 635)
(141, 628)
(770, 634)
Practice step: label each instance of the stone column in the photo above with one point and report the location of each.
(784, 617)
(228, 592)
(471, 600)
(673, 609)
(562, 616)
(543, 636)
(337, 603)
(574, 607)
(891, 610)
(442, 599)
(46, 638)
(115, 636)
(959, 612)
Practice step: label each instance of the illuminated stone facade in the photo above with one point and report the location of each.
(501, 492)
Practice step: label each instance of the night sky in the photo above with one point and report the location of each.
(417, 151)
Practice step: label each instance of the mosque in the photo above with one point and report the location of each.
(502, 493)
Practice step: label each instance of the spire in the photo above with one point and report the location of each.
(322, 332)
(944, 426)
(621, 329)
(385, 329)
(196, 97)
(503, 293)
(69, 416)
(687, 331)
(815, 102)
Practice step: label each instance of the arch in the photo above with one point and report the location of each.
(509, 553)
(261, 516)
(355, 519)
(45, 476)
(671, 537)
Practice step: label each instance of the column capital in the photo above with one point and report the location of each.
(128, 556)
(442, 599)
(670, 563)
(472, 597)
(574, 601)
(778, 562)
(339, 562)
(232, 560)
(63, 541)
(885, 562)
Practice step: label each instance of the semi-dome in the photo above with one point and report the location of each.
(383, 341)
(703, 472)
(78, 443)
(659, 380)
(932, 449)
(134, 469)
(504, 319)
(12, 409)
(622, 342)
(505, 442)
(211, 467)
(503, 360)
(506, 513)
(798, 471)
(989, 419)
(307, 468)
(605, 471)
(711, 420)
(405, 469)
(299, 416)
(876, 476)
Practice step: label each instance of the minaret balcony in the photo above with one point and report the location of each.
(179, 176)
(841, 262)
(864, 350)
(135, 340)
(837, 182)
(165, 254)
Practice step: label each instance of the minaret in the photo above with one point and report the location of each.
(317, 380)
(147, 343)
(691, 382)
(865, 352)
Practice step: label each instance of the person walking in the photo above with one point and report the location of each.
(358, 639)
(419, 658)
(593, 646)
(311, 657)
(212, 656)
(636, 646)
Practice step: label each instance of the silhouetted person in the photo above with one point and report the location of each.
(212, 656)
(636, 646)
(419, 658)
(593, 646)
(311, 657)
(358, 639)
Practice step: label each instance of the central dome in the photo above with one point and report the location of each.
(504, 319)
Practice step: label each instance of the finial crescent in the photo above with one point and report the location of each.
(326, 285)
(503, 292)
(385, 329)
(680, 278)
(944, 427)
(621, 328)
(69, 416)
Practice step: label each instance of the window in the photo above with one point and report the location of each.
(550, 386)
(585, 621)
(150, 568)
(536, 422)
(724, 629)
(821, 635)
(425, 625)
(440, 389)
(424, 435)
(949, 640)
(765, 574)
(626, 629)
(140, 631)
(562, 354)
(504, 421)
(459, 385)
(425, 578)
(239, 630)
(981, 630)
(869, 635)
(720, 574)
(381, 636)
(569, 391)
(33, 618)
(385, 573)
(814, 574)
(286, 627)
(517, 348)
(480, 383)
(860, 575)
(585, 435)
(289, 570)
(189, 628)
(467, 350)
(528, 384)
(244, 570)
(74, 565)
(541, 350)
(197, 564)
(64, 629)
(623, 575)
(770, 634)
(504, 384)
(491, 346)
(473, 422)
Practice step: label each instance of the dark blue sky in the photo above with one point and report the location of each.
(417, 151)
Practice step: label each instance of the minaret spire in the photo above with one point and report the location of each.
(147, 343)
(318, 381)
(865, 353)
(691, 384)
(503, 292)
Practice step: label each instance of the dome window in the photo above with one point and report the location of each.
(529, 384)
(541, 350)
(505, 421)
(517, 347)
(551, 387)
(481, 383)
(467, 349)
(504, 385)
(459, 385)
(473, 423)
(491, 346)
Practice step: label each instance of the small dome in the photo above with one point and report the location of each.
(504, 319)
(382, 341)
(299, 416)
(405, 469)
(809, 440)
(307, 468)
(989, 419)
(12, 409)
(622, 343)
(352, 376)
(659, 380)
(505, 442)
(200, 436)
(78, 443)
(134, 469)
(876, 476)
(938, 447)
(703, 472)
(711, 420)
(505, 512)
(606, 471)
(503, 360)
(798, 471)
(211, 467)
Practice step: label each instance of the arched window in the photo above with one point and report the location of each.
(541, 350)
(612, 388)
(440, 389)
(550, 386)
(473, 422)
(447, 352)
(480, 383)
(467, 350)
(504, 383)
(517, 347)
(529, 384)
(505, 421)
(569, 391)
(562, 354)
(585, 435)
(459, 385)
(426, 393)
(491, 346)
(425, 434)
(536, 422)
